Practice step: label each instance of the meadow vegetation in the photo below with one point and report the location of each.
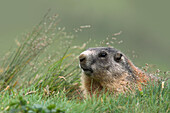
(42, 75)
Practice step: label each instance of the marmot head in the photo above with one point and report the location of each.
(103, 61)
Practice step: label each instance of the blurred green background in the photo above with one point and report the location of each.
(144, 24)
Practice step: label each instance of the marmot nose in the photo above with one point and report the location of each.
(82, 58)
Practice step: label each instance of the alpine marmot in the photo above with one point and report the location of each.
(108, 68)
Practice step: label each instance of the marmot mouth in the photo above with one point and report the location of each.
(87, 69)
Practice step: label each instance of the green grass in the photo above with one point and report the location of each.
(152, 99)
(42, 75)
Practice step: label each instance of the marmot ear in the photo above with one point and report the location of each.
(118, 57)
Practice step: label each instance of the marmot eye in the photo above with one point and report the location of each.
(102, 54)
(118, 57)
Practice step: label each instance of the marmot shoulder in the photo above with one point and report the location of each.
(108, 68)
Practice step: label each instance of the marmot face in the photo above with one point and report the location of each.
(103, 61)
